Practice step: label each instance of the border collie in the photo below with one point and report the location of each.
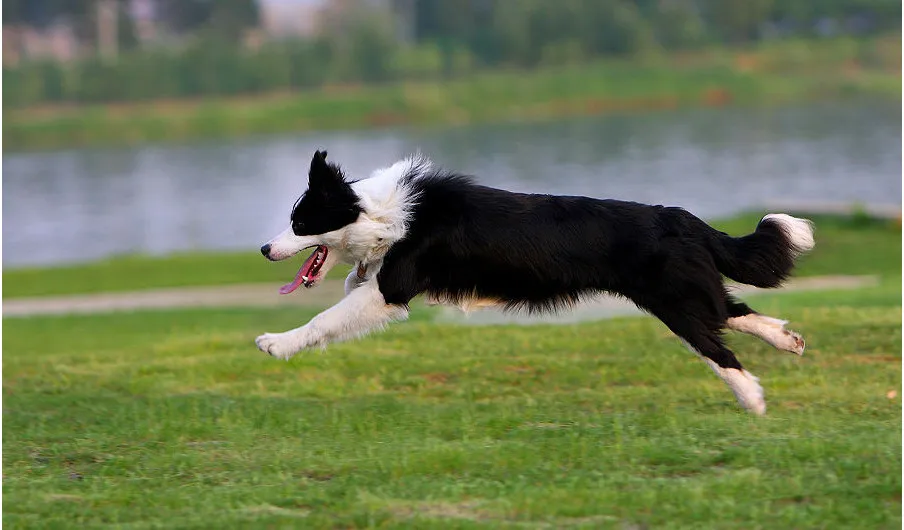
(415, 229)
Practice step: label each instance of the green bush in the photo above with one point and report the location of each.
(418, 62)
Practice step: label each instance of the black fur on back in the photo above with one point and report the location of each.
(542, 253)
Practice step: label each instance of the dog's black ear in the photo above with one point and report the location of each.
(322, 174)
(318, 163)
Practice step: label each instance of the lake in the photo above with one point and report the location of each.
(81, 205)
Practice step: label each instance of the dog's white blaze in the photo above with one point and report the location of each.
(771, 330)
(287, 244)
(799, 231)
(743, 384)
(362, 311)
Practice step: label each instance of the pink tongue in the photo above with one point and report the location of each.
(294, 284)
(303, 271)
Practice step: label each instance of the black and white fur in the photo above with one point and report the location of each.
(415, 229)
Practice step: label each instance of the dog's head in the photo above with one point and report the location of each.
(319, 219)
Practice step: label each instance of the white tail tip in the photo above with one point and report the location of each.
(799, 231)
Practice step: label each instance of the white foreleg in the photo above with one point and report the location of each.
(362, 311)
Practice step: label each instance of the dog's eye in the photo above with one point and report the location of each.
(297, 226)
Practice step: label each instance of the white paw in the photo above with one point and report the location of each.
(745, 386)
(791, 341)
(747, 390)
(773, 331)
(280, 345)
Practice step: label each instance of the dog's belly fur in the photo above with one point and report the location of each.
(465, 303)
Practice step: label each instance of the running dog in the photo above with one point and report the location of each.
(414, 228)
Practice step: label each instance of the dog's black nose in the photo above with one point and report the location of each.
(265, 250)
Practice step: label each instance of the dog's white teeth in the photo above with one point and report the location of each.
(304, 278)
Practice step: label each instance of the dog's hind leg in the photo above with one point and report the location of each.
(695, 312)
(771, 330)
(709, 346)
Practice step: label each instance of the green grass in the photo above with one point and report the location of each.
(836, 239)
(771, 74)
(171, 419)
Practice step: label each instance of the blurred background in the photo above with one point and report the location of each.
(150, 147)
(152, 127)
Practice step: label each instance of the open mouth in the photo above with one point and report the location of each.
(309, 273)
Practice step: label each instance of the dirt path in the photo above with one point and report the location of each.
(266, 295)
(245, 295)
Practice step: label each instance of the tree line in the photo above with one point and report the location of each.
(366, 41)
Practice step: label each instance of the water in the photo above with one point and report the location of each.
(80, 205)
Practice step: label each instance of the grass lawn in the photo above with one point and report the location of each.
(172, 419)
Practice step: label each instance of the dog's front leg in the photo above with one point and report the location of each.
(363, 310)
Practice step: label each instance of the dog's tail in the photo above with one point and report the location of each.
(766, 257)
